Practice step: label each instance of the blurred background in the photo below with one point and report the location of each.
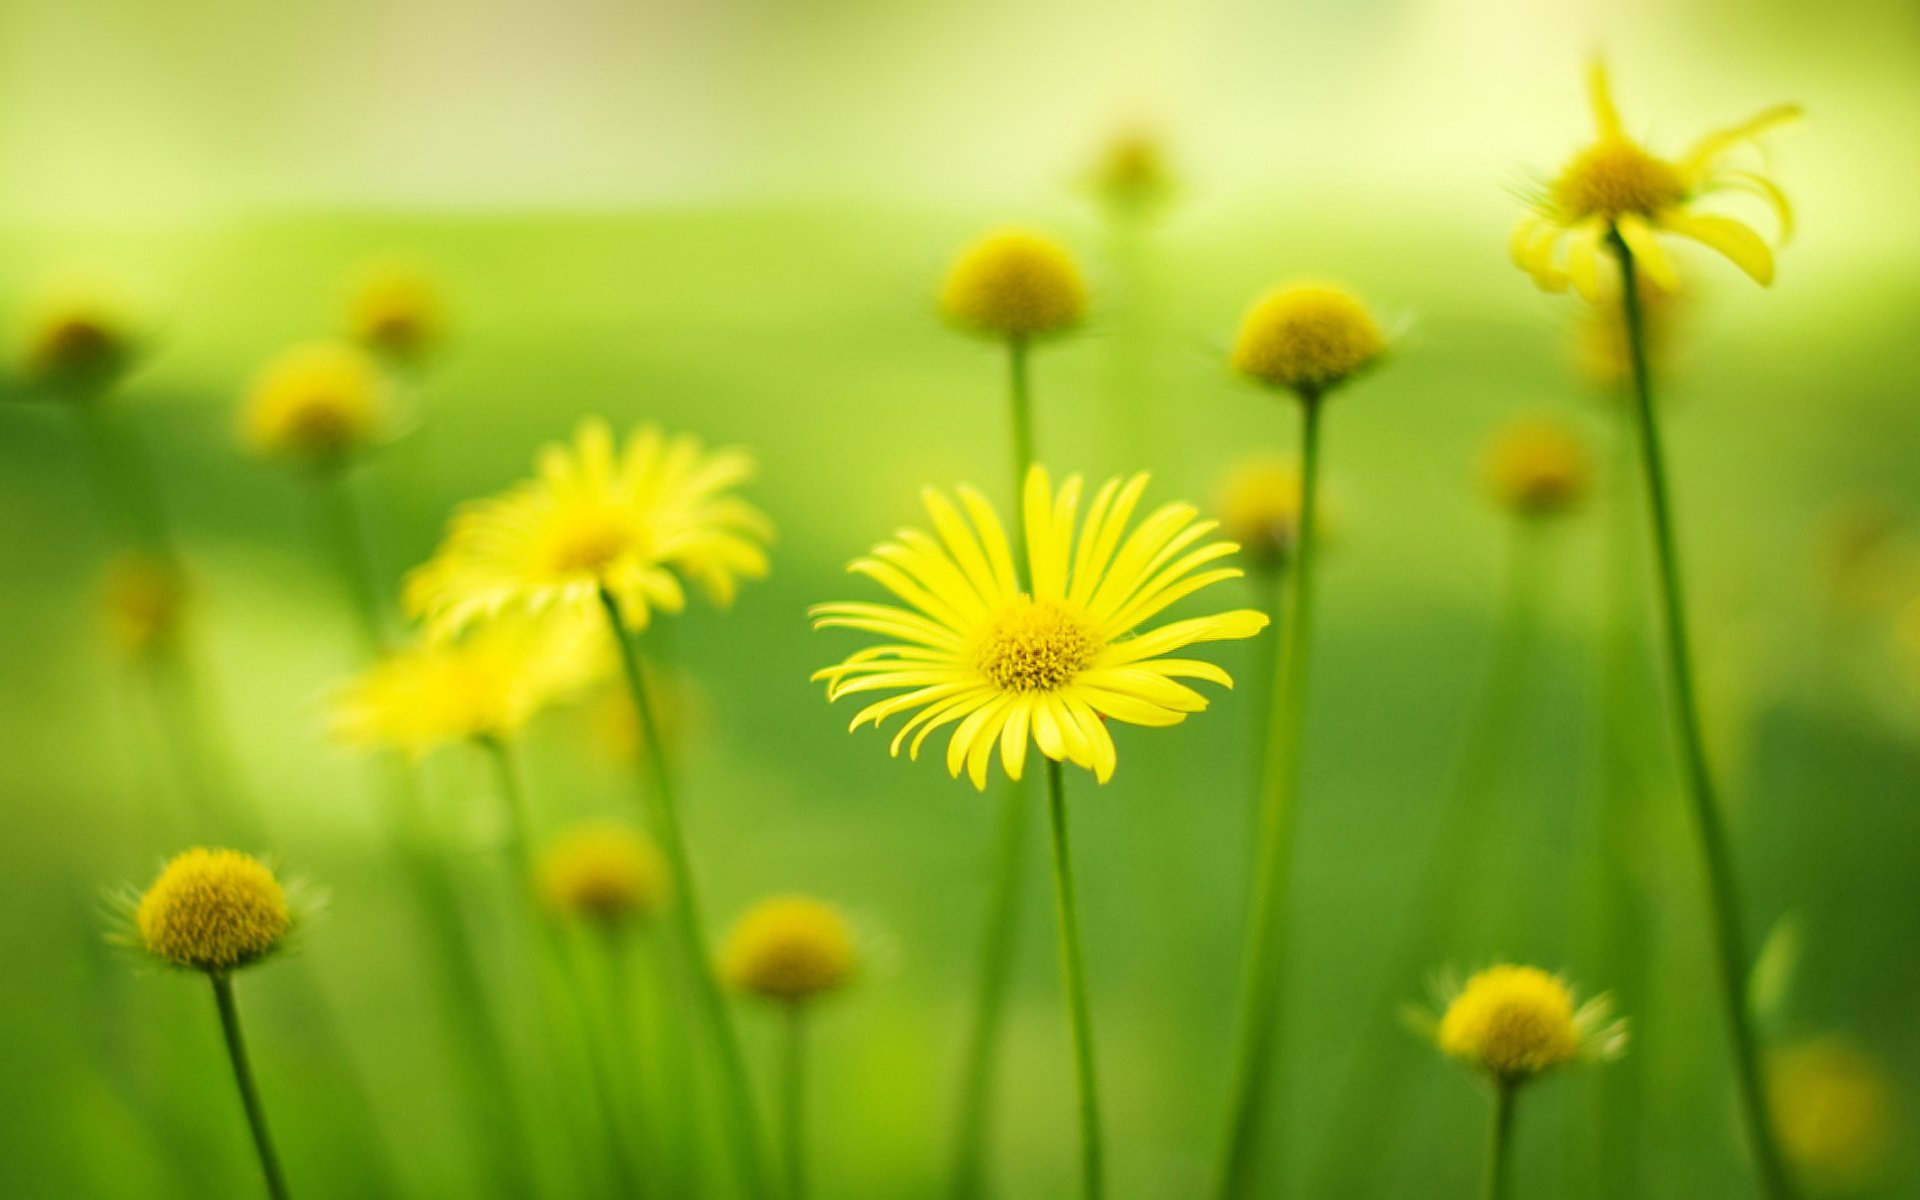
(731, 218)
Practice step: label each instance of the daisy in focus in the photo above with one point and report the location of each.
(486, 684)
(633, 523)
(1048, 667)
(1617, 188)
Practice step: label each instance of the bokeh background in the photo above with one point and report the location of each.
(730, 218)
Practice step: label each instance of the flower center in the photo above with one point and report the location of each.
(588, 540)
(1034, 647)
(1614, 177)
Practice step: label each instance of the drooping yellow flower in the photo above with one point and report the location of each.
(486, 683)
(1015, 284)
(144, 602)
(1835, 1113)
(317, 405)
(79, 340)
(604, 872)
(1050, 664)
(1537, 467)
(1260, 509)
(396, 310)
(632, 522)
(1513, 1023)
(213, 910)
(1307, 338)
(1618, 187)
(789, 949)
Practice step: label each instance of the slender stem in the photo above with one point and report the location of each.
(348, 544)
(1500, 1144)
(128, 489)
(1003, 901)
(513, 797)
(1722, 890)
(249, 1091)
(1073, 973)
(743, 1129)
(1262, 971)
(793, 1085)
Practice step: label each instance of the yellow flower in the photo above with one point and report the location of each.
(1536, 467)
(1260, 509)
(1834, 1111)
(396, 310)
(631, 523)
(79, 341)
(145, 601)
(1616, 187)
(1513, 1023)
(1307, 338)
(1051, 664)
(789, 948)
(603, 872)
(1014, 284)
(1132, 176)
(213, 910)
(317, 405)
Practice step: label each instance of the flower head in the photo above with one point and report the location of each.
(213, 910)
(1834, 1111)
(790, 949)
(396, 310)
(317, 405)
(603, 872)
(1260, 509)
(1618, 188)
(1050, 662)
(144, 603)
(1514, 1023)
(1307, 338)
(79, 342)
(1131, 175)
(1014, 284)
(486, 683)
(632, 522)
(1536, 467)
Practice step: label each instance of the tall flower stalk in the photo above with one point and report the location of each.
(1073, 979)
(1304, 339)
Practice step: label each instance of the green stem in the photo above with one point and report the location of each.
(513, 797)
(1073, 973)
(743, 1130)
(128, 488)
(1500, 1144)
(352, 559)
(793, 1079)
(1261, 982)
(1020, 394)
(249, 1091)
(1717, 859)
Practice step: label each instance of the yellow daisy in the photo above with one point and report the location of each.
(1052, 663)
(486, 684)
(1616, 187)
(631, 522)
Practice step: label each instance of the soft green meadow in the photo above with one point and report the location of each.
(808, 335)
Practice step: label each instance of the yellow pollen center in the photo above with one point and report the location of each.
(1616, 176)
(1034, 647)
(589, 541)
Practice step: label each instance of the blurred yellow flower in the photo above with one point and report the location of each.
(144, 602)
(629, 523)
(1014, 284)
(1260, 509)
(79, 340)
(213, 910)
(396, 310)
(1131, 176)
(1307, 338)
(1536, 467)
(790, 949)
(1617, 187)
(317, 405)
(1051, 666)
(1835, 1112)
(486, 683)
(1513, 1023)
(604, 872)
